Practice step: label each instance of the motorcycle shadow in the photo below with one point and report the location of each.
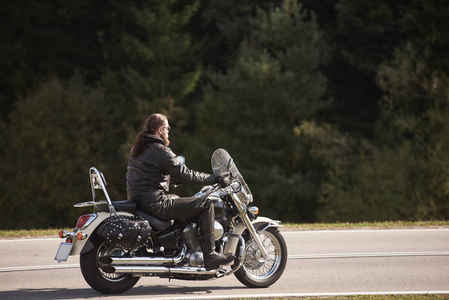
(139, 290)
(174, 289)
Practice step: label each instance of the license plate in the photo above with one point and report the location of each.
(63, 252)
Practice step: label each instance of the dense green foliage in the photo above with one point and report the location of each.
(334, 110)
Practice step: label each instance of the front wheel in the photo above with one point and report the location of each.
(106, 283)
(256, 271)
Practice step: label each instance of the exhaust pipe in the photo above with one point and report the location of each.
(140, 266)
(115, 261)
(160, 270)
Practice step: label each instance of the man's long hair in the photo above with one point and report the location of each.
(150, 126)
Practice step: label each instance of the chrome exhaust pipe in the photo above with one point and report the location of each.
(156, 261)
(160, 270)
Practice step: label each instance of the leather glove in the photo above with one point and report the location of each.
(223, 180)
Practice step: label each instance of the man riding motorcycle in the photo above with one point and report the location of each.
(151, 166)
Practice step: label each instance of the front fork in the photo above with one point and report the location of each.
(254, 234)
(240, 196)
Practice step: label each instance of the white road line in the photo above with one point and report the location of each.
(303, 256)
(31, 268)
(286, 232)
(29, 240)
(307, 231)
(378, 254)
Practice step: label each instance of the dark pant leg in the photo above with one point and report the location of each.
(173, 207)
(188, 207)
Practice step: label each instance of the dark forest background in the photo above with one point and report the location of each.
(334, 110)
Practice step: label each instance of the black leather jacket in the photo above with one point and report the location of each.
(149, 173)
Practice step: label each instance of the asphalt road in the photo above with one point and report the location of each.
(320, 263)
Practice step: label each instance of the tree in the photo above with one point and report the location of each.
(154, 67)
(360, 34)
(221, 26)
(401, 171)
(55, 136)
(406, 175)
(136, 53)
(253, 108)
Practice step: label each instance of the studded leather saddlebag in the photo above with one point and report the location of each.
(129, 233)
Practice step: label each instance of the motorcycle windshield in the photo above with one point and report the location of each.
(222, 163)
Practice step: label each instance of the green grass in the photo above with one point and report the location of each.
(368, 225)
(363, 297)
(30, 233)
(33, 233)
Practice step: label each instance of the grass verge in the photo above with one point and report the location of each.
(362, 297)
(367, 225)
(30, 233)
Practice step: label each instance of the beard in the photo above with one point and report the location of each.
(166, 141)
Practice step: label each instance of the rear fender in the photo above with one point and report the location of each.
(260, 224)
(87, 244)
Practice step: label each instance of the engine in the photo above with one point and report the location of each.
(190, 234)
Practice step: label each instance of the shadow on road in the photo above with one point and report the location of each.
(154, 291)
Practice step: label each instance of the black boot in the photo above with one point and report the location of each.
(212, 259)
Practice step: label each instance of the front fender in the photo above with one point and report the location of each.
(260, 224)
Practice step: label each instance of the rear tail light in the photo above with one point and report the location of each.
(85, 221)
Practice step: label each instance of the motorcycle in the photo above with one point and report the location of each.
(118, 243)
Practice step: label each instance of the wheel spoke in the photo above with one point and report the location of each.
(104, 251)
(255, 265)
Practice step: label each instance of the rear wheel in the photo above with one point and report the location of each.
(106, 283)
(258, 272)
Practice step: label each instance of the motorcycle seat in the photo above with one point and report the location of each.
(124, 205)
(130, 206)
(154, 222)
